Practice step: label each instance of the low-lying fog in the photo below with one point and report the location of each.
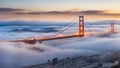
(15, 55)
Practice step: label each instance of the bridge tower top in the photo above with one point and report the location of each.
(112, 28)
(81, 26)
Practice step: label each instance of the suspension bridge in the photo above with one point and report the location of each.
(80, 33)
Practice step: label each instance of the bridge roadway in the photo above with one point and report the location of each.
(34, 40)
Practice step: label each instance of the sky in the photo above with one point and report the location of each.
(59, 10)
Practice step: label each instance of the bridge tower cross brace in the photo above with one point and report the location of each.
(81, 26)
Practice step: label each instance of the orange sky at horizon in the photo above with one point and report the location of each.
(59, 10)
(54, 18)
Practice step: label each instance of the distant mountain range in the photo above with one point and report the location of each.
(25, 23)
(105, 22)
(37, 23)
(44, 30)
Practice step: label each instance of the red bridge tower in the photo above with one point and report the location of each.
(112, 28)
(81, 26)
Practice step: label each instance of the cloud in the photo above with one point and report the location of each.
(10, 10)
(48, 12)
(24, 14)
(86, 12)
(16, 55)
(13, 56)
(75, 11)
(93, 11)
(64, 12)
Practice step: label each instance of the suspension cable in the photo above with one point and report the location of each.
(63, 29)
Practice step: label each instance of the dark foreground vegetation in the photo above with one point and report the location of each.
(108, 60)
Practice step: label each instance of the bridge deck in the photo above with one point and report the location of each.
(33, 40)
(60, 37)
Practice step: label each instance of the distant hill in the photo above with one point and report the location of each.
(104, 22)
(45, 30)
(24, 23)
(38, 23)
(110, 60)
